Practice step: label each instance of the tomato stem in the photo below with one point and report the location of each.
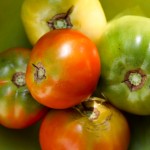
(135, 79)
(61, 20)
(40, 72)
(19, 79)
(88, 109)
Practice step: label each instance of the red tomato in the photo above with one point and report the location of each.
(96, 127)
(63, 69)
(18, 109)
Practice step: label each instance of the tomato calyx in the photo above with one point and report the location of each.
(19, 79)
(89, 108)
(61, 21)
(97, 112)
(40, 72)
(135, 79)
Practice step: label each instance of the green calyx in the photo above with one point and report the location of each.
(135, 79)
(61, 21)
(39, 73)
(19, 79)
(60, 24)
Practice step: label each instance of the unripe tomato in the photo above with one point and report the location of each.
(125, 57)
(92, 125)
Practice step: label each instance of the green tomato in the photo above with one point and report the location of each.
(125, 58)
(17, 107)
(41, 16)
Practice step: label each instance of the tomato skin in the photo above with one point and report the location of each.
(17, 107)
(72, 68)
(65, 129)
(124, 47)
(36, 14)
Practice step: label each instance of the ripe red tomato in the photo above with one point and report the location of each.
(63, 69)
(95, 126)
(18, 109)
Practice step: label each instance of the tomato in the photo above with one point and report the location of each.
(17, 107)
(40, 16)
(92, 125)
(63, 69)
(125, 54)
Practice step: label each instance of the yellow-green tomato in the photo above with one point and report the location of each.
(125, 58)
(41, 16)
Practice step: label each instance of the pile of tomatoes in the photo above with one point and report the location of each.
(79, 78)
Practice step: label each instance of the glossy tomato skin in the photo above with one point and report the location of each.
(18, 109)
(125, 54)
(63, 69)
(68, 129)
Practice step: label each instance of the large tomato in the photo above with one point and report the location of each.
(125, 57)
(63, 69)
(17, 107)
(92, 125)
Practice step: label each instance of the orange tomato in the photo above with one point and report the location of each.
(91, 127)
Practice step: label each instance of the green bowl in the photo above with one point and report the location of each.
(13, 35)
